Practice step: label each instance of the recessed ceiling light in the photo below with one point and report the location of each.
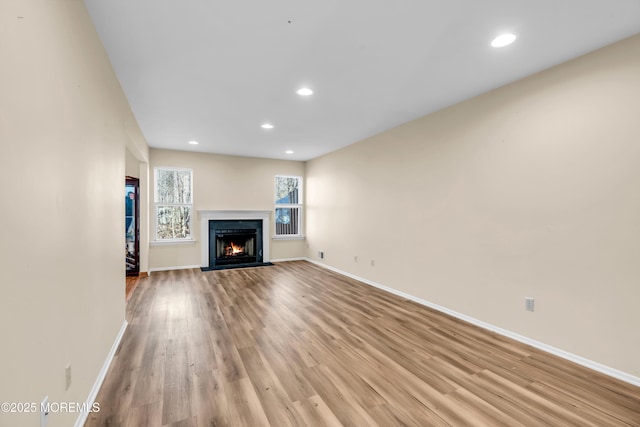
(289, 152)
(305, 91)
(193, 142)
(267, 126)
(503, 40)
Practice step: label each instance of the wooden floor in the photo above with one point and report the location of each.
(131, 283)
(295, 344)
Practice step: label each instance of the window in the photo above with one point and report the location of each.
(288, 209)
(173, 202)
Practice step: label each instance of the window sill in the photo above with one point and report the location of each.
(172, 242)
(289, 237)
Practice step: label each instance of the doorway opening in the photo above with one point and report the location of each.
(132, 225)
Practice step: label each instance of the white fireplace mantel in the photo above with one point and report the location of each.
(208, 215)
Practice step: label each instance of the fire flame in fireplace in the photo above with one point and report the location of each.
(233, 249)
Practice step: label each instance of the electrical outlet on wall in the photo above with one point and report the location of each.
(529, 303)
(320, 254)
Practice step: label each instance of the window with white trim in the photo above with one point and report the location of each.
(288, 205)
(173, 198)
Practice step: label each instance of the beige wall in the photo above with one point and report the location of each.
(226, 183)
(132, 166)
(529, 190)
(64, 123)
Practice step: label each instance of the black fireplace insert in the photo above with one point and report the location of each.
(235, 242)
(235, 246)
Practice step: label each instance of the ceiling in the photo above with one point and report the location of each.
(214, 71)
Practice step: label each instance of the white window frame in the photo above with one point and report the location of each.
(298, 205)
(156, 239)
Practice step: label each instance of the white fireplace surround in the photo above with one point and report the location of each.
(209, 215)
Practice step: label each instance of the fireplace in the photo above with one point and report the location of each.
(235, 243)
(235, 246)
(211, 220)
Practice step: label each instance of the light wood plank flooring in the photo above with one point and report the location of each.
(131, 283)
(295, 344)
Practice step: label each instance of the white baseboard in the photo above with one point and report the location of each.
(289, 259)
(607, 370)
(82, 418)
(178, 267)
